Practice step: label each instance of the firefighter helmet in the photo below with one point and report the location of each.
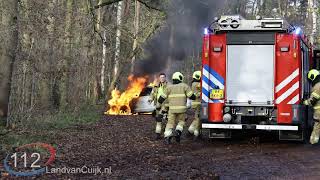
(177, 76)
(312, 74)
(196, 75)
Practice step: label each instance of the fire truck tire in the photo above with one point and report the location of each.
(306, 134)
(205, 134)
(308, 126)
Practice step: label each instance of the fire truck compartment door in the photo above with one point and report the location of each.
(250, 74)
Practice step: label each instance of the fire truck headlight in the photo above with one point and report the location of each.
(258, 17)
(227, 118)
(226, 109)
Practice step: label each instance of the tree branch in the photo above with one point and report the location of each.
(150, 7)
(106, 3)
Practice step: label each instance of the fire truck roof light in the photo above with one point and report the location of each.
(206, 31)
(297, 31)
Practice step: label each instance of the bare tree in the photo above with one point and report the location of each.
(8, 45)
(116, 68)
(136, 30)
(314, 17)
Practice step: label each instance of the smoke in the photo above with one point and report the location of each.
(179, 38)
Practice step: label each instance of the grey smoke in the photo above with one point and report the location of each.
(185, 24)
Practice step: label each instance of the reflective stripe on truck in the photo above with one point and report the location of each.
(242, 126)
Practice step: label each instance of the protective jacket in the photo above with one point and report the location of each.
(176, 96)
(314, 100)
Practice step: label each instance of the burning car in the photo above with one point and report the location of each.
(142, 105)
(121, 102)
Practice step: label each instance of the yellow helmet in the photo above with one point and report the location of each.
(312, 74)
(177, 76)
(196, 75)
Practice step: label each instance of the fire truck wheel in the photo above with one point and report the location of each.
(306, 134)
(307, 128)
(205, 134)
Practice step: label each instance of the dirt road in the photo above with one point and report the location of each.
(125, 146)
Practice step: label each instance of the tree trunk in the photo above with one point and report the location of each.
(104, 51)
(8, 45)
(64, 74)
(314, 17)
(136, 31)
(103, 64)
(118, 39)
(171, 46)
(116, 67)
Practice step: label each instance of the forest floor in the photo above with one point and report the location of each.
(125, 146)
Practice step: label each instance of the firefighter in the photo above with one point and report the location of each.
(176, 95)
(194, 128)
(313, 75)
(161, 109)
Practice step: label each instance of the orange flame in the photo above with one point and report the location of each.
(120, 102)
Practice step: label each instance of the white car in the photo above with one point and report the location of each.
(143, 106)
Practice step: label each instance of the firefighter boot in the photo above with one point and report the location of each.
(179, 127)
(189, 135)
(196, 131)
(178, 136)
(158, 131)
(168, 133)
(191, 129)
(158, 125)
(157, 136)
(197, 135)
(315, 133)
(167, 140)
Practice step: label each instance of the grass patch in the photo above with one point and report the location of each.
(43, 128)
(63, 119)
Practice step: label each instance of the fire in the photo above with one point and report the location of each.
(119, 104)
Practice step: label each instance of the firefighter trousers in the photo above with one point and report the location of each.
(160, 114)
(158, 121)
(194, 128)
(315, 132)
(172, 118)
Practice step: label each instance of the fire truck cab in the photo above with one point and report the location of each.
(254, 77)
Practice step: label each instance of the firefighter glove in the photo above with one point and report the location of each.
(159, 118)
(193, 97)
(161, 99)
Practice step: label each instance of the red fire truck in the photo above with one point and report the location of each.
(254, 76)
